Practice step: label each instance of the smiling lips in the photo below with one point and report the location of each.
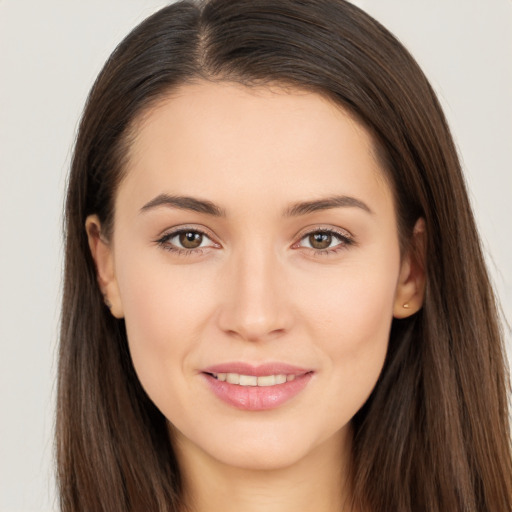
(253, 380)
(256, 388)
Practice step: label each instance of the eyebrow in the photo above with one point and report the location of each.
(326, 204)
(295, 210)
(184, 203)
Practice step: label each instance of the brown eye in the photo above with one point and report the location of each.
(325, 241)
(320, 240)
(187, 242)
(190, 239)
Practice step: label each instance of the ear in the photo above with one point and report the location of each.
(102, 254)
(410, 290)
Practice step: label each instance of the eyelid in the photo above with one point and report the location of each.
(345, 237)
(322, 228)
(163, 239)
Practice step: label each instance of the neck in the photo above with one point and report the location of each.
(317, 482)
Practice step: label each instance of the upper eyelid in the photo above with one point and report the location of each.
(170, 232)
(324, 229)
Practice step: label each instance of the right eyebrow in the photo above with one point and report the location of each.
(184, 203)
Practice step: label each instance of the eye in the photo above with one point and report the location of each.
(189, 239)
(325, 240)
(186, 240)
(320, 240)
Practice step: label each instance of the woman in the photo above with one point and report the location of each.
(275, 296)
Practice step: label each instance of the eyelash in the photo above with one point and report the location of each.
(344, 239)
(163, 242)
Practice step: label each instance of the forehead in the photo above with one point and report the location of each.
(210, 138)
(282, 110)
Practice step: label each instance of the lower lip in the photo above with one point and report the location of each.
(257, 398)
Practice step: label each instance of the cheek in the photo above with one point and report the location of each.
(163, 316)
(352, 322)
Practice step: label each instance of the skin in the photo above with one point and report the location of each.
(256, 290)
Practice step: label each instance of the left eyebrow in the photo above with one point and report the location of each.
(326, 204)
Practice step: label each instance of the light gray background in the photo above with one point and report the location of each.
(50, 53)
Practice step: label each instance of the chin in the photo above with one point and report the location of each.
(259, 448)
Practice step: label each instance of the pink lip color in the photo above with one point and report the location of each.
(258, 371)
(256, 398)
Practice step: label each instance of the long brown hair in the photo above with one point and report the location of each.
(434, 435)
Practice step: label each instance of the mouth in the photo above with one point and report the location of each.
(256, 388)
(253, 380)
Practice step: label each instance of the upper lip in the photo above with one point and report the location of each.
(258, 370)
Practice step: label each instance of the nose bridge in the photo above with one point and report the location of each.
(255, 305)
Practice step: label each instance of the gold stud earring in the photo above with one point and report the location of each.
(406, 305)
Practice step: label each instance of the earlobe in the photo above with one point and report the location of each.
(102, 254)
(410, 290)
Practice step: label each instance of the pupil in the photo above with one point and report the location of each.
(191, 240)
(320, 240)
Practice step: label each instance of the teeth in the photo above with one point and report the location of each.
(252, 380)
(233, 378)
(267, 380)
(248, 380)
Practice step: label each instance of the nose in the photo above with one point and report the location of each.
(255, 305)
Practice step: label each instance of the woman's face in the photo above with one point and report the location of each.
(255, 259)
